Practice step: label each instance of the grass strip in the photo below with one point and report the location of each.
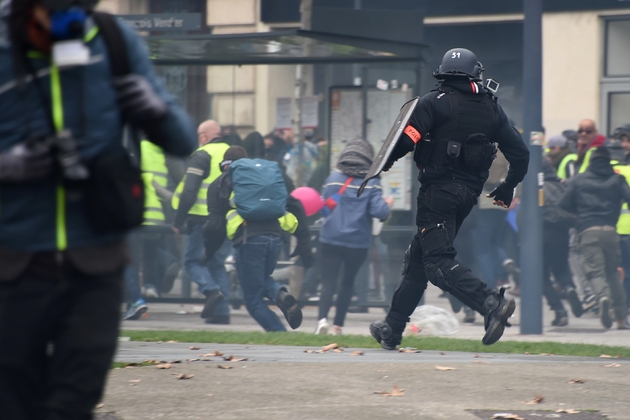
(361, 341)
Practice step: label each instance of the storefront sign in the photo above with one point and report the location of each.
(163, 22)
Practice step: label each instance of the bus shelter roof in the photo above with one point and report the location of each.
(294, 46)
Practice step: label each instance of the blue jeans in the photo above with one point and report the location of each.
(255, 262)
(489, 234)
(212, 275)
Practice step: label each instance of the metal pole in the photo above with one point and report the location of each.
(531, 220)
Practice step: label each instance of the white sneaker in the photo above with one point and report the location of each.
(322, 326)
(151, 292)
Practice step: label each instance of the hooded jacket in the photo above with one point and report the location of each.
(596, 195)
(37, 216)
(349, 224)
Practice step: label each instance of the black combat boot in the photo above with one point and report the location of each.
(289, 307)
(383, 333)
(388, 332)
(498, 310)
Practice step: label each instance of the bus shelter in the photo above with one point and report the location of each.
(358, 84)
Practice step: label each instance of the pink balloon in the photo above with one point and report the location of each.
(310, 199)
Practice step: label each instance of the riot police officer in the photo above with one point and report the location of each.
(454, 130)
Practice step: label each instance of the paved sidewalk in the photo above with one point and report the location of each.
(277, 382)
(586, 329)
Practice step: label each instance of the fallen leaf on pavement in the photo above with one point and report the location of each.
(194, 348)
(613, 365)
(99, 405)
(442, 353)
(605, 356)
(357, 353)
(568, 411)
(218, 353)
(444, 368)
(153, 362)
(234, 359)
(330, 347)
(507, 416)
(537, 400)
(193, 360)
(308, 351)
(163, 366)
(175, 361)
(338, 350)
(172, 341)
(224, 367)
(576, 381)
(546, 354)
(396, 392)
(184, 376)
(206, 355)
(134, 381)
(408, 350)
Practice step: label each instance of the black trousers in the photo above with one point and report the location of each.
(431, 256)
(58, 335)
(556, 261)
(333, 256)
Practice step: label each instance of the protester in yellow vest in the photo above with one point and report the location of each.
(189, 201)
(617, 153)
(258, 244)
(561, 157)
(588, 140)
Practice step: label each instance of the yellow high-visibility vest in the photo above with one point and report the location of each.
(623, 224)
(153, 213)
(200, 208)
(153, 161)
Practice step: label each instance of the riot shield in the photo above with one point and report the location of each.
(390, 141)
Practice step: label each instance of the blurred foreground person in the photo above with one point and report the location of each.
(464, 122)
(70, 194)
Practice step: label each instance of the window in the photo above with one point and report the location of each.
(617, 47)
(615, 82)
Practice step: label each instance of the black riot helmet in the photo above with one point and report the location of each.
(459, 62)
(87, 5)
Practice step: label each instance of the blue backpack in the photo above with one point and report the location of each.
(259, 189)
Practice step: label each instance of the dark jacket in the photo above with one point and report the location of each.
(434, 111)
(214, 230)
(36, 216)
(555, 219)
(596, 195)
(197, 170)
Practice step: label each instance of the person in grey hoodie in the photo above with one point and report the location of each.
(345, 236)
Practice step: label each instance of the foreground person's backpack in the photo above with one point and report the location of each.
(259, 189)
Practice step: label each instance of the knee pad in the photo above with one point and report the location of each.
(436, 276)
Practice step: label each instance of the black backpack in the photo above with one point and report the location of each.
(115, 192)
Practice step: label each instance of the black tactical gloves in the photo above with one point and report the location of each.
(138, 100)
(24, 163)
(502, 195)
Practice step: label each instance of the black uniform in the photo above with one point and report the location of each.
(459, 124)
